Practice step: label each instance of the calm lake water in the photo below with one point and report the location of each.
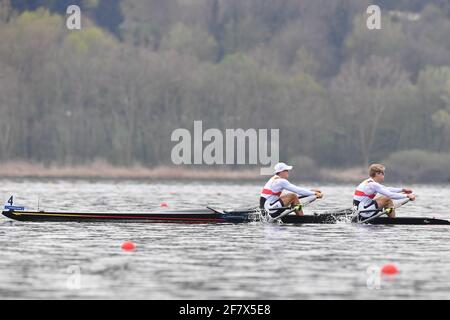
(248, 261)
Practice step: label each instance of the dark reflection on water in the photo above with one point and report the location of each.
(175, 261)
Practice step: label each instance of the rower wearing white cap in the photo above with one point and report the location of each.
(271, 197)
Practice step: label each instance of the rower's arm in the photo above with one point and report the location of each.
(387, 192)
(395, 190)
(293, 188)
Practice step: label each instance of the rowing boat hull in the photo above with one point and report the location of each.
(409, 221)
(200, 216)
(322, 219)
(187, 216)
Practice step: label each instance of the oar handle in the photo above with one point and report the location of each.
(313, 198)
(398, 205)
(402, 203)
(280, 216)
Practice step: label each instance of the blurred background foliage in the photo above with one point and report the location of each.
(341, 95)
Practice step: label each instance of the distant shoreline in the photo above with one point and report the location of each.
(102, 170)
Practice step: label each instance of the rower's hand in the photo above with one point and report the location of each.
(319, 195)
(407, 190)
(412, 197)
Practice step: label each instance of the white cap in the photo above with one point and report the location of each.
(279, 167)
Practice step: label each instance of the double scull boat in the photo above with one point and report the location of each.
(207, 215)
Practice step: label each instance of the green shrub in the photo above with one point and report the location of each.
(419, 166)
(304, 169)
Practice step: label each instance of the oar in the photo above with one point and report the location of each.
(351, 209)
(256, 208)
(307, 202)
(382, 211)
(398, 205)
(283, 208)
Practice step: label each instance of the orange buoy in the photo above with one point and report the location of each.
(164, 205)
(389, 268)
(128, 246)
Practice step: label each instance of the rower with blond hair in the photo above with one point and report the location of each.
(371, 196)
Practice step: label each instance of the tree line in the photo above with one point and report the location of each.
(341, 95)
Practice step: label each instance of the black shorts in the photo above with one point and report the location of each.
(371, 209)
(273, 213)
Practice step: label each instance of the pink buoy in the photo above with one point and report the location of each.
(128, 246)
(389, 268)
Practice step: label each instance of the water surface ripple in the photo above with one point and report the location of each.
(189, 261)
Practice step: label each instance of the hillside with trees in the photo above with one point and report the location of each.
(342, 95)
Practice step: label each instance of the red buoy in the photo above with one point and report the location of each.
(164, 205)
(128, 246)
(389, 268)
